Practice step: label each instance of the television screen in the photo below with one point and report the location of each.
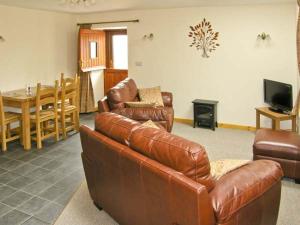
(278, 95)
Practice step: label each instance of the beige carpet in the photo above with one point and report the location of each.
(223, 143)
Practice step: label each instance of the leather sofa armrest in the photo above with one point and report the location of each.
(235, 191)
(103, 105)
(167, 99)
(144, 114)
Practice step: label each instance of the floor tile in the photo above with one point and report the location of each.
(11, 164)
(14, 217)
(38, 172)
(52, 177)
(24, 169)
(34, 221)
(33, 205)
(36, 187)
(52, 164)
(16, 154)
(2, 171)
(51, 193)
(4, 209)
(40, 161)
(29, 157)
(6, 191)
(8, 177)
(20, 182)
(49, 213)
(65, 197)
(16, 199)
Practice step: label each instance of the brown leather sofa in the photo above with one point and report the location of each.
(280, 146)
(126, 91)
(147, 176)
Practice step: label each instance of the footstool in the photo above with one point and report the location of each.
(280, 146)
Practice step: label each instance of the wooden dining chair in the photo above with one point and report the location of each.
(69, 108)
(45, 113)
(6, 119)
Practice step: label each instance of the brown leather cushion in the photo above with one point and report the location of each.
(125, 91)
(115, 126)
(178, 153)
(277, 144)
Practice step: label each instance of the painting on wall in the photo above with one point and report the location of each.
(204, 37)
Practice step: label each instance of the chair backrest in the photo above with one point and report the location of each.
(2, 115)
(70, 91)
(46, 96)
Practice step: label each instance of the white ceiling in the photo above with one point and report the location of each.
(112, 5)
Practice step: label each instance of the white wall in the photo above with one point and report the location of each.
(233, 74)
(38, 46)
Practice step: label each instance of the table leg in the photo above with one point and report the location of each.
(257, 120)
(273, 124)
(26, 125)
(294, 124)
(277, 124)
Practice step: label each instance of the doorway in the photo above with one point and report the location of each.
(116, 57)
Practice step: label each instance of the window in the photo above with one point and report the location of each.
(116, 49)
(120, 51)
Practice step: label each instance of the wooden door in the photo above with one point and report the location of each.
(113, 77)
(86, 38)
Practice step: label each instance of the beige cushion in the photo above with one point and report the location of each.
(151, 95)
(139, 104)
(221, 167)
(151, 124)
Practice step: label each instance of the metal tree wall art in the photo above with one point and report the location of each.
(204, 38)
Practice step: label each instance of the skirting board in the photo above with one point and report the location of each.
(221, 125)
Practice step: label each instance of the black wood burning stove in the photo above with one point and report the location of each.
(205, 113)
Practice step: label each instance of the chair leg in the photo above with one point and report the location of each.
(38, 135)
(63, 125)
(8, 131)
(4, 146)
(77, 121)
(21, 133)
(56, 129)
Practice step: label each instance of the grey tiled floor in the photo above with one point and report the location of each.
(36, 185)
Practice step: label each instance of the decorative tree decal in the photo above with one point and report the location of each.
(204, 37)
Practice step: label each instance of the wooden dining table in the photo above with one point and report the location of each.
(20, 99)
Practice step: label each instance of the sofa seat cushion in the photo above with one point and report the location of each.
(139, 104)
(125, 91)
(184, 156)
(240, 187)
(115, 126)
(277, 144)
(144, 114)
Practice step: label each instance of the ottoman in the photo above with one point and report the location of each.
(280, 146)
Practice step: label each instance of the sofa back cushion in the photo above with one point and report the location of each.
(125, 91)
(115, 126)
(184, 156)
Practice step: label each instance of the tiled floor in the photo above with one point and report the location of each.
(36, 185)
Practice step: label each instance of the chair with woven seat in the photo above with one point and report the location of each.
(68, 110)
(46, 111)
(7, 118)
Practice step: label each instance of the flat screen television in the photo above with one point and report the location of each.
(278, 95)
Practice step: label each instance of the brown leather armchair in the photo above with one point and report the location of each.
(126, 91)
(147, 176)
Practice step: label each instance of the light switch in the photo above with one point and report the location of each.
(138, 63)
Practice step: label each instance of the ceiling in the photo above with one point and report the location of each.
(113, 5)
